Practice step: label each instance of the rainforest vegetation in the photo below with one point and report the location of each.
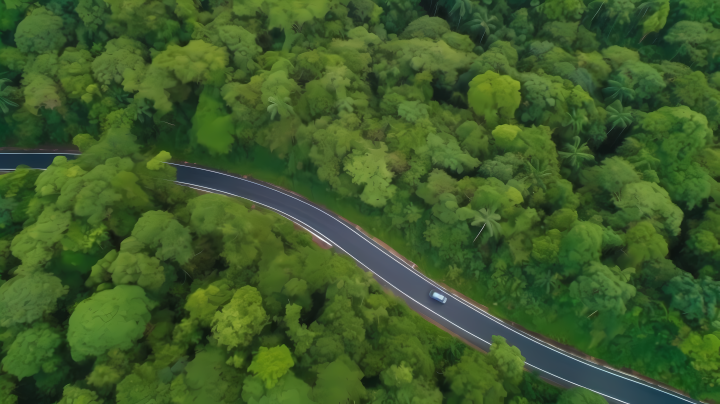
(123, 287)
(555, 160)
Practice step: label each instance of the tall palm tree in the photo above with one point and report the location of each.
(619, 115)
(576, 153)
(617, 90)
(462, 7)
(575, 120)
(478, 20)
(547, 280)
(538, 170)
(487, 218)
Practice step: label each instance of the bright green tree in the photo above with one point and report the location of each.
(447, 153)
(75, 395)
(205, 301)
(656, 21)
(494, 97)
(368, 167)
(270, 364)
(704, 351)
(241, 319)
(298, 332)
(156, 162)
(397, 375)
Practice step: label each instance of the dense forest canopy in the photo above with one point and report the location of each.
(119, 286)
(556, 160)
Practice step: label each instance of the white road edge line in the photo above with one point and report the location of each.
(428, 280)
(376, 274)
(487, 315)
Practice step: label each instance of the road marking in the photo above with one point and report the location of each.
(379, 276)
(422, 276)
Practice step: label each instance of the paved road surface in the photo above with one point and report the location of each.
(463, 319)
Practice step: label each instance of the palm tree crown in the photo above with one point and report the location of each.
(487, 218)
(619, 115)
(575, 120)
(478, 20)
(576, 153)
(618, 90)
(538, 170)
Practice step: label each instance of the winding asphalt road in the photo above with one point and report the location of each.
(456, 315)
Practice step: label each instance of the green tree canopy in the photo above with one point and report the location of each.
(27, 297)
(32, 351)
(159, 231)
(507, 360)
(241, 319)
(114, 318)
(368, 167)
(473, 379)
(580, 246)
(696, 298)
(339, 381)
(207, 378)
(679, 134)
(494, 97)
(270, 364)
(35, 245)
(603, 289)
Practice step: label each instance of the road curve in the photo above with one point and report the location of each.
(474, 325)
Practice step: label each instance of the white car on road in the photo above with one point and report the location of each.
(435, 295)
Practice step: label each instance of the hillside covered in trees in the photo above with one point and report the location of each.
(556, 160)
(119, 286)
